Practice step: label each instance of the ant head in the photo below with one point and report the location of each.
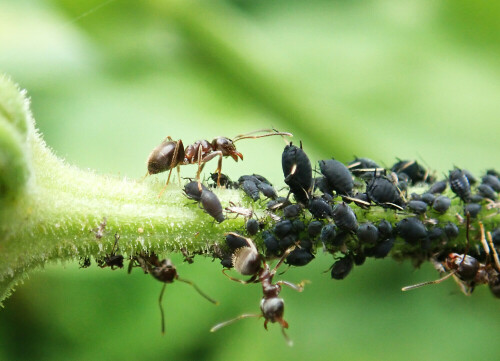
(466, 266)
(247, 261)
(273, 309)
(226, 146)
(165, 272)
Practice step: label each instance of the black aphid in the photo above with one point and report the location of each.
(319, 208)
(384, 228)
(418, 207)
(282, 228)
(252, 226)
(344, 217)
(459, 184)
(297, 171)
(299, 257)
(382, 248)
(451, 230)
(212, 205)
(342, 267)
(267, 190)
(438, 187)
(441, 204)
(314, 228)
(427, 198)
(415, 171)
(292, 211)
(328, 233)
(251, 189)
(487, 191)
(412, 230)
(473, 209)
(339, 178)
(367, 233)
(382, 191)
(192, 191)
(271, 243)
(362, 166)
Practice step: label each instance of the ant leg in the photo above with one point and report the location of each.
(297, 287)
(484, 243)
(160, 299)
(219, 170)
(289, 342)
(198, 290)
(179, 174)
(282, 259)
(251, 280)
(225, 323)
(494, 251)
(166, 184)
(145, 176)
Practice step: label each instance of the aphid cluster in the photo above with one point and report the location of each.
(328, 206)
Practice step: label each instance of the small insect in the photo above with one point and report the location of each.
(192, 191)
(297, 171)
(438, 187)
(467, 271)
(163, 271)
(211, 204)
(319, 208)
(382, 191)
(112, 260)
(99, 231)
(412, 230)
(344, 217)
(338, 176)
(171, 154)
(418, 207)
(415, 171)
(367, 233)
(441, 204)
(342, 267)
(249, 262)
(459, 184)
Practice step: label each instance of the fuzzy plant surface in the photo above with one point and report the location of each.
(51, 211)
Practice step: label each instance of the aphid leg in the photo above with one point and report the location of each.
(225, 323)
(494, 251)
(204, 295)
(160, 299)
(250, 280)
(115, 246)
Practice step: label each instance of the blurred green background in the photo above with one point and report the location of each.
(109, 80)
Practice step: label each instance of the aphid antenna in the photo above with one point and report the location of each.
(240, 317)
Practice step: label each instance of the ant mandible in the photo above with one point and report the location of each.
(249, 262)
(164, 271)
(171, 153)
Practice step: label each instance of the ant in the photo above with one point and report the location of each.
(171, 153)
(249, 262)
(467, 270)
(164, 271)
(112, 260)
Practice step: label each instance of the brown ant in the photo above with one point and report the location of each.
(171, 153)
(164, 271)
(249, 262)
(112, 260)
(467, 270)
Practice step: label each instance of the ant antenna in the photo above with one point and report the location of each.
(225, 323)
(418, 285)
(198, 290)
(269, 133)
